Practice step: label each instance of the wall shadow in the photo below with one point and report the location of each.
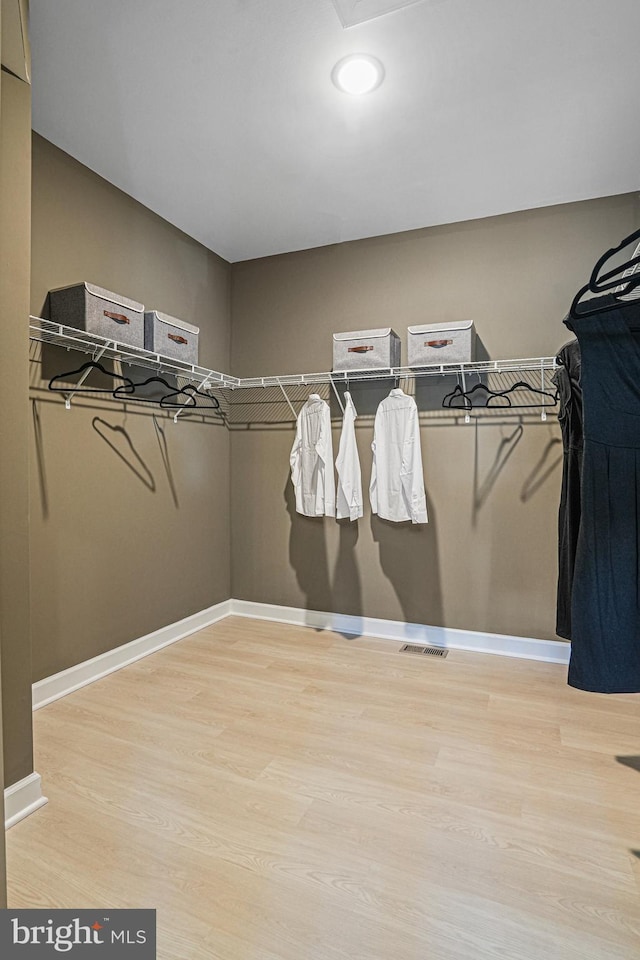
(544, 468)
(166, 460)
(120, 442)
(56, 361)
(431, 391)
(633, 762)
(347, 583)
(482, 487)
(150, 386)
(482, 353)
(308, 555)
(367, 395)
(409, 559)
(40, 460)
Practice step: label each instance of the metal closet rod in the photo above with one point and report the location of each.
(46, 331)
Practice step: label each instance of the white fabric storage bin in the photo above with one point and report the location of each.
(433, 343)
(170, 337)
(366, 349)
(96, 310)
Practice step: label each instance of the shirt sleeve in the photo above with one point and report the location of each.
(349, 493)
(294, 456)
(325, 452)
(411, 474)
(373, 483)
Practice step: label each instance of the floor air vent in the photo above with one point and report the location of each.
(426, 651)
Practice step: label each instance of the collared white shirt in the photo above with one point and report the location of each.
(349, 504)
(311, 460)
(397, 483)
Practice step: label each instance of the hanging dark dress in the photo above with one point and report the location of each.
(605, 609)
(567, 380)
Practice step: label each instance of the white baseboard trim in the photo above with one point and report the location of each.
(60, 684)
(549, 651)
(22, 798)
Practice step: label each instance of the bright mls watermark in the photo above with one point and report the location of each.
(81, 933)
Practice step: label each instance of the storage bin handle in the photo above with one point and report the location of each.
(359, 349)
(437, 343)
(175, 337)
(118, 317)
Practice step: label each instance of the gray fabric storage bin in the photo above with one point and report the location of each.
(91, 308)
(366, 349)
(170, 337)
(433, 343)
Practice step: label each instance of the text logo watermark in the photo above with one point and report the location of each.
(78, 933)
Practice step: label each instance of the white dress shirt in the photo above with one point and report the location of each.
(349, 504)
(397, 484)
(311, 460)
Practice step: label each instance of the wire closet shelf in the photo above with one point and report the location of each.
(97, 347)
(71, 338)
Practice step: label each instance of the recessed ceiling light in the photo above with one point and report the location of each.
(357, 74)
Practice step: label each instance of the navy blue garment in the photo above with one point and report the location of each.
(605, 607)
(567, 381)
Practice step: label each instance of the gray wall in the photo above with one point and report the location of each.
(129, 513)
(15, 166)
(487, 558)
(15, 109)
(3, 857)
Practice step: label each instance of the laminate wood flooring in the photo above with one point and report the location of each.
(282, 794)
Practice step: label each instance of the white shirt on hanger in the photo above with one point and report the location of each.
(311, 460)
(397, 483)
(349, 504)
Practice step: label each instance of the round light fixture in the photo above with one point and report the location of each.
(357, 74)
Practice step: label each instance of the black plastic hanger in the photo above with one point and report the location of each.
(601, 283)
(81, 388)
(191, 393)
(630, 283)
(522, 385)
(498, 395)
(458, 393)
(466, 397)
(616, 277)
(128, 391)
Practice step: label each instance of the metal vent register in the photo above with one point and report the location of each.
(426, 651)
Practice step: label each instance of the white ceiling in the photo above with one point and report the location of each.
(220, 115)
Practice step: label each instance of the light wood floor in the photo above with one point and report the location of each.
(282, 794)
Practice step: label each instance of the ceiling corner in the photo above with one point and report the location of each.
(353, 12)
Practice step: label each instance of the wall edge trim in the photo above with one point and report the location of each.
(524, 648)
(23, 798)
(74, 678)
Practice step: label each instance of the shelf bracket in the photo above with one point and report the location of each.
(335, 390)
(68, 397)
(467, 418)
(187, 406)
(291, 406)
